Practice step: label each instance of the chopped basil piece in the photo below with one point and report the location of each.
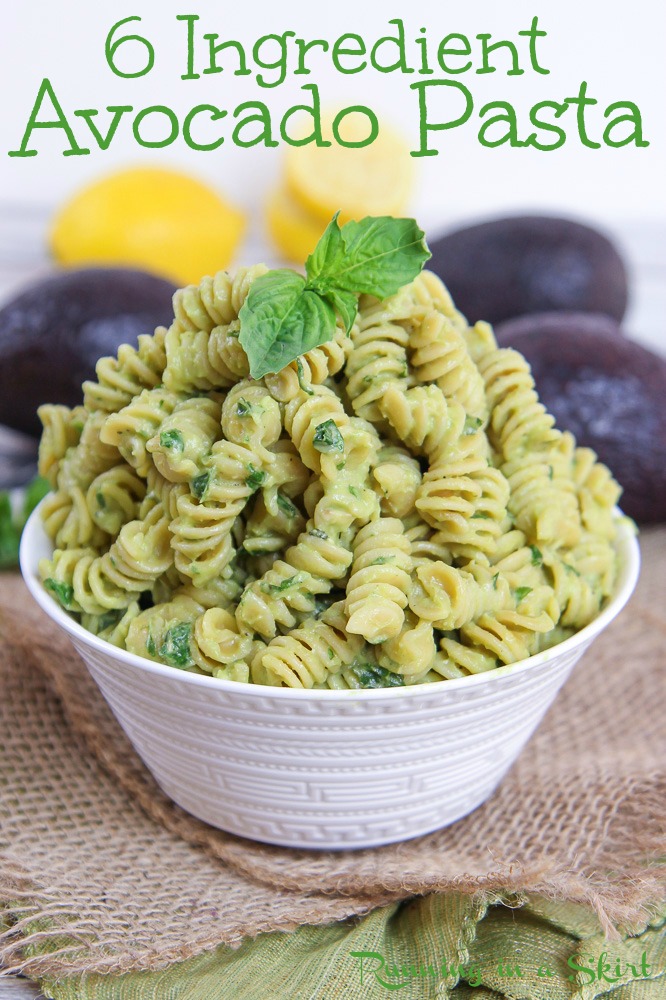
(243, 407)
(286, 506)
(327, 437)
(277, 588)
(151, 648)
(200, 484)
(495, 579)
(522, 592)
(354, 492)
(571, 569)
(175, 648)
(101, 502)
(472, 425)
(371, 675)
(481, 514)
(172, 440)
(63, 591)
(381, 560)
(256, 478)
(537, 556)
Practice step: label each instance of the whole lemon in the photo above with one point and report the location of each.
(160, 220)
(294, 231)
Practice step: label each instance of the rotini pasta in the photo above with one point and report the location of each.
(536, 457)
(62, 431)
(380, 582)
(395, 507)
(121, 378)
(439, 355)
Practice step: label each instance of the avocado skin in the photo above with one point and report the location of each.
(526, 264)
(609, 391)
(53, 333)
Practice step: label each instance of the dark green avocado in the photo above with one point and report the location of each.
(53, 333)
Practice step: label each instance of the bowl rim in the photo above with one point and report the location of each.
(626, 545)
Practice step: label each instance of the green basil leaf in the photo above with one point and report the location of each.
(345, 305)
(371, 675)
(286, 506)
(280, 320)
(381, 255)
(327, 437)
(328, 254)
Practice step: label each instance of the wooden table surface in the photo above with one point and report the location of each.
(644, 245)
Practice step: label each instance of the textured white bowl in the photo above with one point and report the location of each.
(326, 769)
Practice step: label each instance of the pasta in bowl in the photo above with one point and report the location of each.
(387, 531)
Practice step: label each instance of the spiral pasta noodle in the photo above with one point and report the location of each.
(379, 585)
(98, 583)
(119, 379)
(309, 654)
(185, 437)
(537, 458)
(130, 428)
(396, 480)
(114, 498)
(313, 368)
(62, 428)
(378, 359)
(67, 517)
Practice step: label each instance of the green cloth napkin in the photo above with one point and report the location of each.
(436, 946)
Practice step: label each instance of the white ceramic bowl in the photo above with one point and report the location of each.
(326, 769)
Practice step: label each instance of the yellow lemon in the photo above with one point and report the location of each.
(160, 220)
(370, 180)
(294, 231)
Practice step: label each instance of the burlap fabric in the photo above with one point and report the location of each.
(100, 872)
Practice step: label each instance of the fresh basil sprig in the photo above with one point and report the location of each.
(286, 315)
